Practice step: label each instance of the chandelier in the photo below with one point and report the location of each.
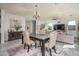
(36, 15)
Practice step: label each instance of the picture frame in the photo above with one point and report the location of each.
(42, 26)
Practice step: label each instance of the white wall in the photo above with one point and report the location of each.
(6, 23)
(2, 25)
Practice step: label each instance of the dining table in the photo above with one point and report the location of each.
(42, 38)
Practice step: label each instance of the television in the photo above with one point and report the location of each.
(59, 27)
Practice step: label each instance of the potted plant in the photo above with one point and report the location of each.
(49, 29)
(18, 27)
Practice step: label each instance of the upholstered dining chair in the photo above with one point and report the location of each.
(27, 41)
(52, 42)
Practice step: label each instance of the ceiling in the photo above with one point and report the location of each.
(25, 9)
(19, 9)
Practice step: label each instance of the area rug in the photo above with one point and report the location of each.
(20, 51)
(14, 50)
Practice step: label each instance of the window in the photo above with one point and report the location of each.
(71, 25)
(49, 24)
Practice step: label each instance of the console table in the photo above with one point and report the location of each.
(15, 35)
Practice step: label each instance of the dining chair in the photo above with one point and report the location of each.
(52, 42)
(27, 41)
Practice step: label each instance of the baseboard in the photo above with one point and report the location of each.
(65, 42)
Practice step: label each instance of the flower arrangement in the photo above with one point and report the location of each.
(17, 27)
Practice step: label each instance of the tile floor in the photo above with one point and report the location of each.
(15, 48)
